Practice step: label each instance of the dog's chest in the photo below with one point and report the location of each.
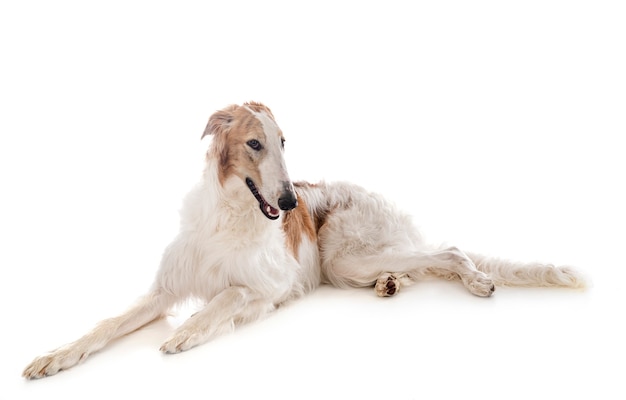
(235, 258)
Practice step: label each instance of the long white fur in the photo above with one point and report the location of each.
(231, 256)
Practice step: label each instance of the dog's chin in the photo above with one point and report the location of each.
(269, 211)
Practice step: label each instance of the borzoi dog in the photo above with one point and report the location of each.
(250, 240)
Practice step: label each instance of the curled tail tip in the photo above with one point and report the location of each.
(578, 279)
(508, 273)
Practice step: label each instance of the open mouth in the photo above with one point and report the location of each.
(269, 211)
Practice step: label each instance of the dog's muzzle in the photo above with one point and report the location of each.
(287, 200)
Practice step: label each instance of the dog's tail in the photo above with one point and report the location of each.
(507, 273)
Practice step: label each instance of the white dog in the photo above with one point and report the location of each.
(244, 262)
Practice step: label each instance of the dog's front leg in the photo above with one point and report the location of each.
(147, 309)
(234, 304)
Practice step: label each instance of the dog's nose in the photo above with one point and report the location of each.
(287, 201)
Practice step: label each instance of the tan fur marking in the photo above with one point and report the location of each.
(258, 107)
(318, 215)
(231, 128)
(297, 222)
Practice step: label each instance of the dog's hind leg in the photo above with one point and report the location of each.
(389, 270)
(388, 284)
(233, 305)
(147, 309)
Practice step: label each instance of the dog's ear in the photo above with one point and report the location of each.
(220, 121)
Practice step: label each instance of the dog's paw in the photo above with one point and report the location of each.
(480, 285)
(52, 363)
(387, 285)
(180, 341)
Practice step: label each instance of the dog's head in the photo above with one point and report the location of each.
(248, 144)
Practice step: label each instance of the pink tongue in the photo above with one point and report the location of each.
(271, 210)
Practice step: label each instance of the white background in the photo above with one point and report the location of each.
(498, 125)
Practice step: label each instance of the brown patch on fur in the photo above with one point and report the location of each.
(319, 214)
(319, 217)
(258, 107)
(297, 222)
(231, 128)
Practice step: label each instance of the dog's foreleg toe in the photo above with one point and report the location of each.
(181, 341)
(39, 368)
(54, 362)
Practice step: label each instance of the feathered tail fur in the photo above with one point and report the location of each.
(508, 273)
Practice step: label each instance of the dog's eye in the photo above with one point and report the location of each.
(254, 144)
(282, 142)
